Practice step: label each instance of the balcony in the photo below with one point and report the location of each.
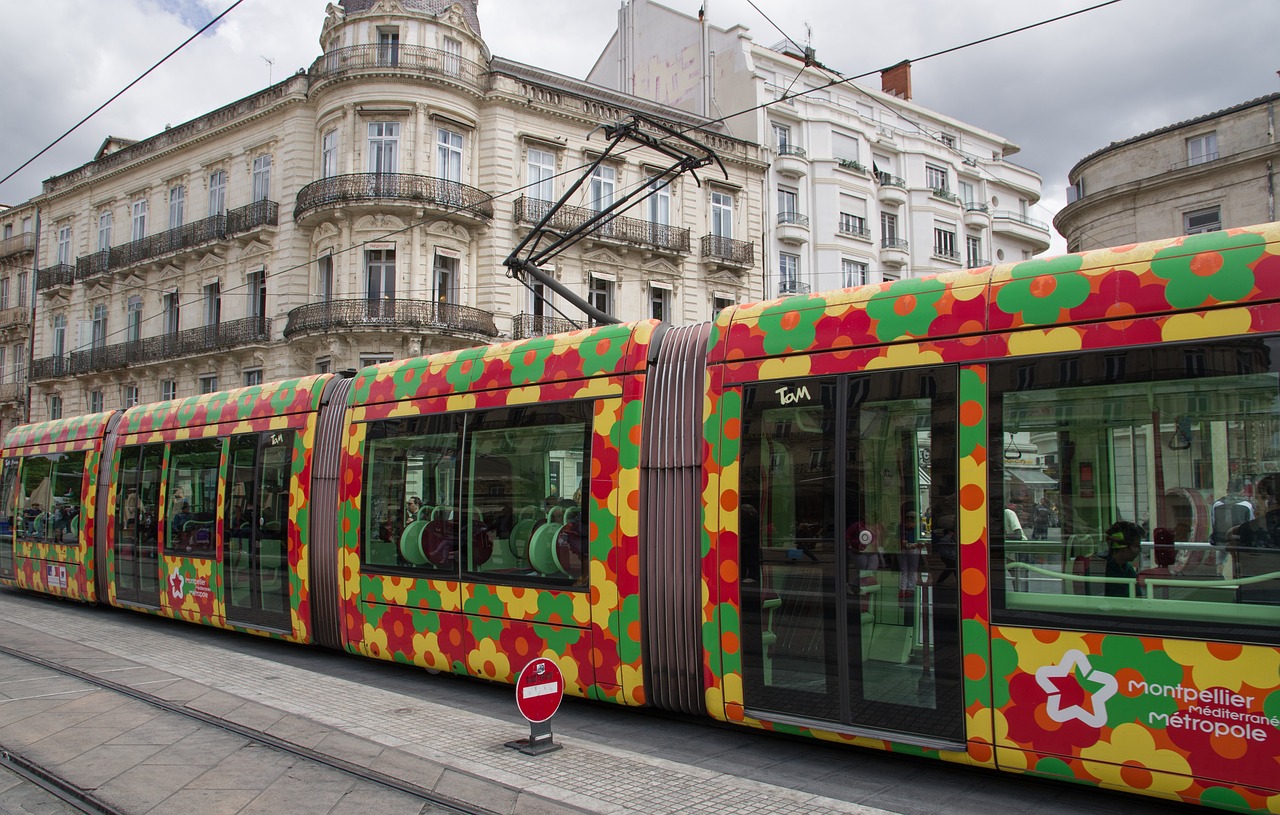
(944, 194)
(728, 252)
(894, 252)
(194, 341)
(524, 326)
(792, 161)
(949, 255)
(1019, 226)
(13, 392)
(413, 61)
(372, 315)
(892, 191)
(853, 229)
(789, 287)
(246, 219)
(793, 227)
(17, 244)
(16, 317)
(976, 214)
(393, 188)
(852, 166)
(663, 237)
(55, 277)
(976, 263)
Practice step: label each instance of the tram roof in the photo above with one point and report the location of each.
(253, 402)
(59, 431)
(1190, 273)
(590, 353)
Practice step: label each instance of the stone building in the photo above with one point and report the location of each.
(361, 211)
(864, 185)
(17, 257)
(1215, 171)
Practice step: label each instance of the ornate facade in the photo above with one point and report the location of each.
(360, 211)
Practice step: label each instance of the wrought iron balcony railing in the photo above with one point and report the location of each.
(893, 243)
(851, 164)
(16, 244)
(793, 218)
(853, 229)
(619, 227)
(976, 263)
(793, 287)
(728, 250)
(390, 313)
(372, 187)
(1006, 215)
(414, 60)
(203, 340)
(524, 326)
(792, 150)
(945, 194)
(213, 228)
(61, 274)
(887, 180)
(946, 254)
(976, 206)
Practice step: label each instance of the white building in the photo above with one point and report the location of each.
(357, 212)
(864, 185)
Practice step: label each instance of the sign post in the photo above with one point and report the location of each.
(538, 693)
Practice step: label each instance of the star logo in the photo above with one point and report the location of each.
(1076, 691)
(177, 583)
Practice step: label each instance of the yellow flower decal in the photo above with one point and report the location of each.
(1223, 665)
(1131, 760)
(487, 662)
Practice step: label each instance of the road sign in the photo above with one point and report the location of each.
(539, 690)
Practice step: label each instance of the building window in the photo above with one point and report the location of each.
(853, 224)
(380, 277)
(172, 313)
(788, 273)
(3, 351)
(256, 283)
(1201, 149)
(329, 154)
(944, 243)
(1202, 220)
(781, 137)
(446, 279)
(719, 304)
(133, 320)
(209, 383)
(4, 293)
(324, 277)
(889, 228)
(449, 155)
(213, 304)
(374, 359)
(388, 46)
(542, 170)
(139, 219)
(59, 335)
(603, 181)
(854, 272)
(55, 407)
(19, 364)
(967, 194)
(262, 178)
(384, 147)
(846, 148)
(99, 335)
(324, 365)
(973, 251)
(22, 291)
(659, 203)
(104, 231)
(64, 245)
(600, 294)
(177, 205)
(253, 376)
(217, 193)
(721, 214)
(452, 57)
(935, 178)
(788, 202)
(95, 401)
(947, 140)
(168, 390)
(130, 395)
(659, 303)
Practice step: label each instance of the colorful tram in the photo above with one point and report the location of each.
(1025, 517)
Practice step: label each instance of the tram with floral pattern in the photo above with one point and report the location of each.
(1024, 517)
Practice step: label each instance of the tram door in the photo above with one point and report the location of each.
(847, 524)
(255, 554)
(136, 561)
(8, 518)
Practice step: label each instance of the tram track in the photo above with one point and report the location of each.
(85, 801)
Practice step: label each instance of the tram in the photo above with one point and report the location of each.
(1024, 517)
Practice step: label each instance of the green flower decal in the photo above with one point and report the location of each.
(1042, 289)
(558, 637)
(1209, 268)
(725, 618)
(1122, 655)
(788, 328)
(725, 441)
(602, 354)
(555, 608)
(530, 361)
(1003, 655)
(466, 369)
(624, 435)
(483, 601)
(907, 310)
(628, 649)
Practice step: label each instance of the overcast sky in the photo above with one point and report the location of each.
(1060, 91)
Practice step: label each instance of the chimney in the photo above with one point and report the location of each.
(896, 81)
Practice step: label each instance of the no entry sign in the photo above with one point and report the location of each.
(539, 690)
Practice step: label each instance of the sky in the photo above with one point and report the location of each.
(1060, 92)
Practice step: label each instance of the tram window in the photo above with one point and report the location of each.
(192, 498)
(1194, 461)
(527, 518)
(50, 498)
(8, 513)
(407, 459)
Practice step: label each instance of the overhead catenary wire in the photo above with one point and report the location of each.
(700, 126)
